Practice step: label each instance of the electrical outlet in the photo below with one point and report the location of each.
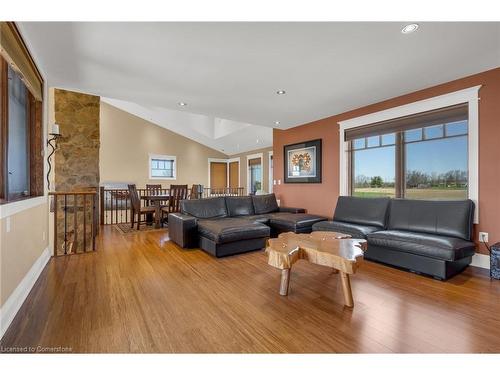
(43, 235)
(483, 236)
(7, 225)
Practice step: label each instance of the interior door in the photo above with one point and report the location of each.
(234, 174)
(218, 175)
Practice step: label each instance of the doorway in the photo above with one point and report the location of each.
(271, 169)
(254, 173)
(218, 175)
(224, 175)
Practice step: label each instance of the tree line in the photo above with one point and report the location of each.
(456, 178)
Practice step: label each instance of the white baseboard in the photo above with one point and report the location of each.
(10, 308)
(481, 260)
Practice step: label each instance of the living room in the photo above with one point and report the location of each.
(250, 187)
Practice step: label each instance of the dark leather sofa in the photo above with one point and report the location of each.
(231, 225)
(429, 237)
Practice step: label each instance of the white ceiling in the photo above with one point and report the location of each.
(227, 136)
(232, 70)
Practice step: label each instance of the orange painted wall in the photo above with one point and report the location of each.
(322, 198)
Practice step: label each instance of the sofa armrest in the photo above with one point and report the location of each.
(293, 210)
(183, 230)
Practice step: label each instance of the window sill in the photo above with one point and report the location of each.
(9, 208)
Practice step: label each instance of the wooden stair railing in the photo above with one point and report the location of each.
(75, 221)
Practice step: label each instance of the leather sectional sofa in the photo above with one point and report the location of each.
(231, 225)
(429, 237)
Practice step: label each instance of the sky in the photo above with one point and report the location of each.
(437, 156)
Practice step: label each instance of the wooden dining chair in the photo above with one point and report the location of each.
(135, 206)
(196, 192)
(177, 194)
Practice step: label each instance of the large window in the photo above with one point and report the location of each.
(21, 158)
(419, 157)
(18, 141)
(162, 167)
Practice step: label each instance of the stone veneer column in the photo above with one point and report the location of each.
(77, 160)
(76, 163)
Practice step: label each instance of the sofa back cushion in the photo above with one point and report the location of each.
(447, 218)
(264, 204)
(239, 206)
(205, 208)
(367, 211)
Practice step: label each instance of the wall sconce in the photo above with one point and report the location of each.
(52, 142)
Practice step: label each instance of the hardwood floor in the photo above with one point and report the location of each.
(141, 293)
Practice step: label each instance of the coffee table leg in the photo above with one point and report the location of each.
(346, 287)
(285, 281)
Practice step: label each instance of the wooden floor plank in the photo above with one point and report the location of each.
(141, 293)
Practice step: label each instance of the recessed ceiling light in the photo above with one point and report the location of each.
(182, 104)
(277, 123)
(281, 92)
(410, 28)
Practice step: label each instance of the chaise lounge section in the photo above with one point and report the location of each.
(231, 225)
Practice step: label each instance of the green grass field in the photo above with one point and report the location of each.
(432, 193)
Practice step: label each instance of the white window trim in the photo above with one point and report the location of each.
(270, 172)
(163, 157)
(469, 95)
(254, 156)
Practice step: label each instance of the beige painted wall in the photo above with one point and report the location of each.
(21, 247)
(244, 171)
(127, 141)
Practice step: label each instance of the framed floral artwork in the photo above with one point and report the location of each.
(303, 162)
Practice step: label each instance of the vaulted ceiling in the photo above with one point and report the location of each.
(230, 72)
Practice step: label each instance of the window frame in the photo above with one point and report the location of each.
(400, 155)
(470, 96)
(163, 157)
(34, 135)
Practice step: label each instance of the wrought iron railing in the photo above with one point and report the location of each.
(222, 192)
(115, 205)
(75, 221)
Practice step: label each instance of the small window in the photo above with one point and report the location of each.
(162, 167)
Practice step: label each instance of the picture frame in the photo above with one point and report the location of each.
(302, 162)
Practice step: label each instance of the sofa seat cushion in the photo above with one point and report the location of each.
(263, 219)
(429, 245)
(292, 222)
(231, 229)
(355, 230)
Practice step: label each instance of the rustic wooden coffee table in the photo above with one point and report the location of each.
(336, 250)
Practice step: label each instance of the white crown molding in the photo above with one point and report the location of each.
(11, 307)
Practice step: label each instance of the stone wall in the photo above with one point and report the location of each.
(77, 159)
(76, 164)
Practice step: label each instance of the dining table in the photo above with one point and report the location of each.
(156, 200)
